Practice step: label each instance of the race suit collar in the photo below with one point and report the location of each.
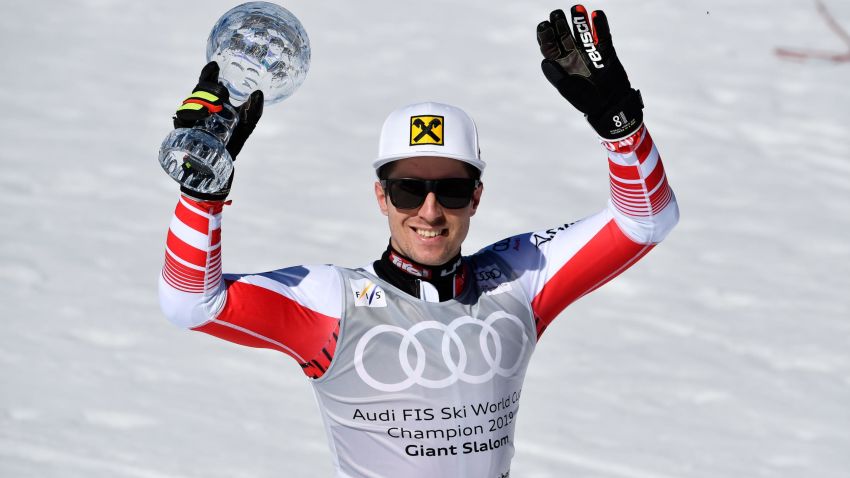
(448, 279)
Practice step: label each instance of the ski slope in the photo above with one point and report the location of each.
(725, 353)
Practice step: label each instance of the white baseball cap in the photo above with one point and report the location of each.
(429, 129)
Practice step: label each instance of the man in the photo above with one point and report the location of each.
(417, 360)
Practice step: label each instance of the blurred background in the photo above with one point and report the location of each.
(724, 353)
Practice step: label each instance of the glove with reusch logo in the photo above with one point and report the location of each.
(208, 97)
(580, 61)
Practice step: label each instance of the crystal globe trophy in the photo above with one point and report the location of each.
(258, 46)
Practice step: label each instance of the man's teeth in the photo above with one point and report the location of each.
(425, 233)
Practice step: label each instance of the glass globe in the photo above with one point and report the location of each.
(260, 45)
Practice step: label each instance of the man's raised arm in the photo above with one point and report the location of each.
(295, 310)
(559, 265)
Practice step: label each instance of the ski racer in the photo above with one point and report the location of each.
(417, 360)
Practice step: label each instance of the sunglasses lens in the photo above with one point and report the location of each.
(407, 193)
(455, 193)
(452, 193)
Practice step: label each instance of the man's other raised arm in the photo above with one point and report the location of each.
(561, 264)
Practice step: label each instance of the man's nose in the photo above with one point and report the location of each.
(431, 210)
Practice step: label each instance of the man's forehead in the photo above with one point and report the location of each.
(428, 166)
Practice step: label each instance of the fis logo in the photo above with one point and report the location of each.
(426, 130)
(587, 39)
(367, 293)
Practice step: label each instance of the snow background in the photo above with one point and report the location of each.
(724, 353)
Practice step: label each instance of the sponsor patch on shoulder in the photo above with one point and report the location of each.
(509, 244)
(542, 237)
(491, 280)
(367, 293)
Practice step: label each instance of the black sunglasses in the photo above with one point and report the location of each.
(408, 193)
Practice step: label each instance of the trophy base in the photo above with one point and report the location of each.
(196, 159)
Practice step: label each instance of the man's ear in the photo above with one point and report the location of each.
(381, 197)
(476, 198)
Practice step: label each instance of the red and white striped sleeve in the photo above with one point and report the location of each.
(640, 193)
(559, 265)
(294, 310)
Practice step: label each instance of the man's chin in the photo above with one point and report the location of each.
(429, 252)
(431, 258)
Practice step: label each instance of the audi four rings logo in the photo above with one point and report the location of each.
(455, 369)
(489, 274)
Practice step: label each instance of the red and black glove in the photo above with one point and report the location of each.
(208, 97)
(580, 61)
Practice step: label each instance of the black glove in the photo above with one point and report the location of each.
(207, 98)
(582, 64)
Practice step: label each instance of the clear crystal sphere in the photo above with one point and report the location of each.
(260, 45)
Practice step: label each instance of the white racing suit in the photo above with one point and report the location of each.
(409, 387)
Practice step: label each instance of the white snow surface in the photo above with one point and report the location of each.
(724, 353)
